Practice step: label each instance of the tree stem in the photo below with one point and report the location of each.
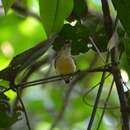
(115, 70)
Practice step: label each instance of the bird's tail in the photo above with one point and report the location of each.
(67, 79)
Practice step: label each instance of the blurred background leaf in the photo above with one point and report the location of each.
(7, 4)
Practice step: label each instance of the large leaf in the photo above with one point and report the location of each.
(7, 4)
(53, 13)
(123, 12)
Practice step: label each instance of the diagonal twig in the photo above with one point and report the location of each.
(24, 109)
(105, 105)
(92, 88)
(98, 51)
(97, 97)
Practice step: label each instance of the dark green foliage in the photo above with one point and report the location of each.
(123, 13)
(7, 116)
(76, 36)
(79, 11)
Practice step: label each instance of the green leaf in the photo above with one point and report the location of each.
(53, 13)
(100, 39)
(3, 96)
(97, 32)
(79, 11)
(7, 4)
(123, 7)
(76, 36)
(127, 47)
(127, 51)
(7, 117)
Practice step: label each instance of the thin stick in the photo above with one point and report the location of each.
(105, 104)
(97, 97)
(57, 77)
(98, 51)
(88, 91)
(91, 89)
(24, 110)
(40, 82)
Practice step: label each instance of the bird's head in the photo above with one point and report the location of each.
(66, 49)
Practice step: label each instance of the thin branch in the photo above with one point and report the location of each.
(105, 105)
(107, 18)
(59, 77)
(123, 103)
(98, 96)
(90, 90)
(98, 51)
(24, 110)
(33, 68)
(41, 82)
(56, 78)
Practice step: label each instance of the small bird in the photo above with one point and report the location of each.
(64, 63)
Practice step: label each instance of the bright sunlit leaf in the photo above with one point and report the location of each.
(11, 94)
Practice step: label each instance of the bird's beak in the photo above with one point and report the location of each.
(66, 46)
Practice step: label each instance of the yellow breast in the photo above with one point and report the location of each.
(65, 65)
